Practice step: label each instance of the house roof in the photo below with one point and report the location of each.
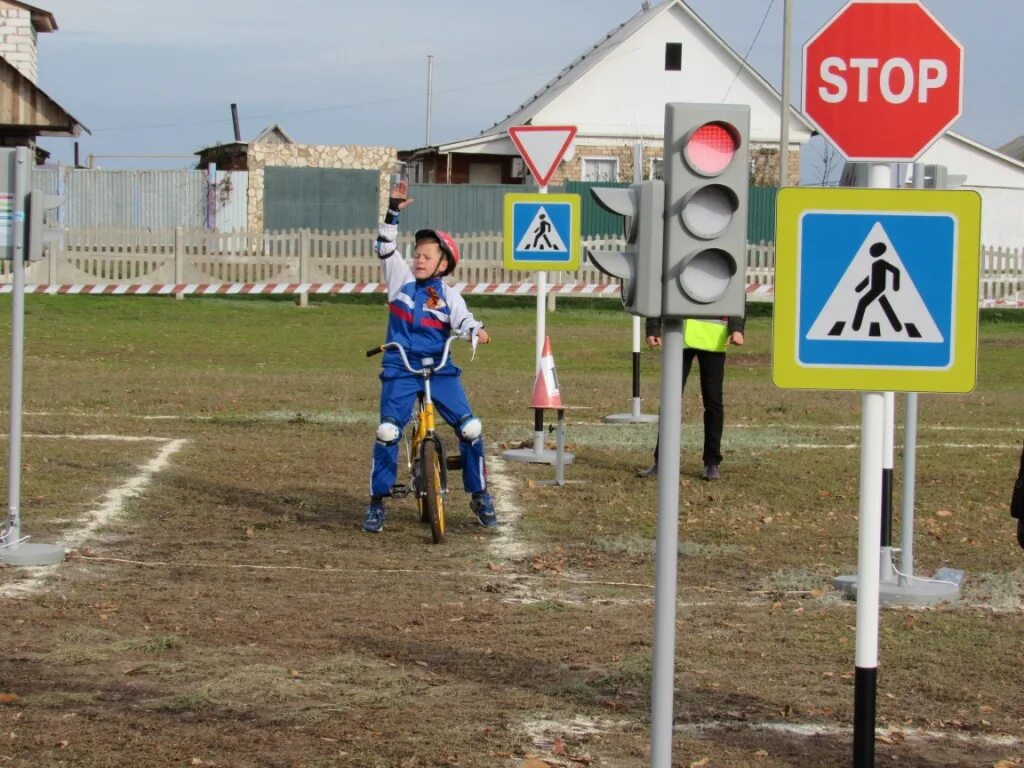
(27, 109)
(42, 19)
(999, 154)
(271, 131)
(1014, 149)
(584, 63)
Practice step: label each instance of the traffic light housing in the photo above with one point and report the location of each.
(642, 207)
(707, 180)
(39, 232)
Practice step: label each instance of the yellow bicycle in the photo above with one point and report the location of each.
(425, 453)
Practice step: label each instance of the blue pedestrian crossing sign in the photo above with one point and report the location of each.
(876, 289)
(542, 232)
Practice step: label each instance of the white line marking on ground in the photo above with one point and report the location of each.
(851, 446)
(542, 731)
(110, 438)
(505, 544)
(110, 508)
(840, 731)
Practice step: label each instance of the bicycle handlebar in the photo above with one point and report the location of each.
(405, 360)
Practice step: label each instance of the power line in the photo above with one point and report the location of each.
(318, 110)
(757, 34)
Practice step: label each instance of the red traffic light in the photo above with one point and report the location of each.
(711, 147)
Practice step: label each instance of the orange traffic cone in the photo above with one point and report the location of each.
(545, 391)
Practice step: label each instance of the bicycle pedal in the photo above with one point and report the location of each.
(453, 462)
(400, 491)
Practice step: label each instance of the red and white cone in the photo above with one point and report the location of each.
(545, 391)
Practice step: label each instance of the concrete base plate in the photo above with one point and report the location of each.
(532, 456)
(27, 553)
(629, 418)
(915, 591)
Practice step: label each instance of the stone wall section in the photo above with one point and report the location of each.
(18, 40)
(764, 166)
(264, 154)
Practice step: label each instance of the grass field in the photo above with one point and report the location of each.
(206, 462)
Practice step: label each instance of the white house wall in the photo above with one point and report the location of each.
(999, 181)
(625, 93)
(983, 169)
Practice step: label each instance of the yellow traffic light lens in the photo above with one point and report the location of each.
(711, 148)
(704, 276)
(708, 211)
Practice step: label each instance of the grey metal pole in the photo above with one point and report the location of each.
(430, 96)
(667, 551)
(17, 346)
(787, 45)
(909, 459)
(14, 551)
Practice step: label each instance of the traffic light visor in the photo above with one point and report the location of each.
(705, 275)
(711, 147)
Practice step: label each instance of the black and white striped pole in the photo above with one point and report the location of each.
(634, 416)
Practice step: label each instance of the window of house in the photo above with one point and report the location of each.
(673, 57)
(655, 168)
(600, 169)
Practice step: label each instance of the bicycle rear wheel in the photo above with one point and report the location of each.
(433, 501)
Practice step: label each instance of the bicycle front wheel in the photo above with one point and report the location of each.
(433, 501)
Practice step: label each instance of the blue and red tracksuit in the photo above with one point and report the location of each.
(422, 315)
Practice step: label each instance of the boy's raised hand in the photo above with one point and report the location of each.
(400, 191)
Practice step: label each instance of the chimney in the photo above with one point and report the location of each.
(19, 27)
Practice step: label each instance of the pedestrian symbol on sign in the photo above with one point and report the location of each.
(540, 235)
(876, 299)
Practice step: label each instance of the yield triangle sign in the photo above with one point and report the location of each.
(542, 147)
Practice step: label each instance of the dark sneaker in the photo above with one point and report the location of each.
(483, 507)
(375, 514)
(1020, 532)
(651, 471)
(710, 472)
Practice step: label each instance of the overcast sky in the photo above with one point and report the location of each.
(158, 78)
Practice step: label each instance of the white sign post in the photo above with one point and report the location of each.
(542, 148)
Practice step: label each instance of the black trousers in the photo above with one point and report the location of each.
(712, 383)
(1017, 499)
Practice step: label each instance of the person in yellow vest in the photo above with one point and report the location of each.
(705, 340)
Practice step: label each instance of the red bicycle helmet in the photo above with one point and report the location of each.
(447, 243)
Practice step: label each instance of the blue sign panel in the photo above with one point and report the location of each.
(876, 289)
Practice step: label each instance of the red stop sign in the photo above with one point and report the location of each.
(883, 80)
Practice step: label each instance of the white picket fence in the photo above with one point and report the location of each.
(130, 257)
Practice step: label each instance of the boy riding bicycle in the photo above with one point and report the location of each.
(424, 311)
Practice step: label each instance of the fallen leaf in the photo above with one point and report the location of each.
(699, 763)
(558, 747)
(8, 698)
(533, 762)
(943, 513)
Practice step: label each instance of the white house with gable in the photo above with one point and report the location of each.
(615, 95)
(999, 179)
